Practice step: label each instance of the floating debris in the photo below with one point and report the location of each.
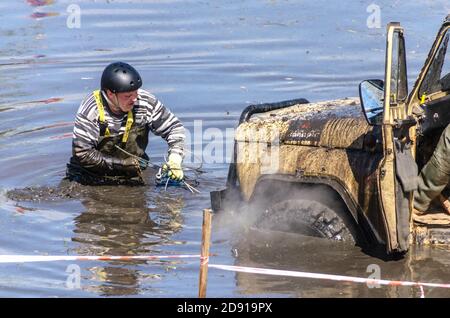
(40, 3)
(39, 15)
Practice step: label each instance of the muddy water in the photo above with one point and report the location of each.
(206, 60)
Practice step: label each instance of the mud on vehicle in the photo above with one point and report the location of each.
(346, 169)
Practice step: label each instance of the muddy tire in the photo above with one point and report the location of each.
(307, 217)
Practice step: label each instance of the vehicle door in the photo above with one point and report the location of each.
(384, 104)
(429, 100)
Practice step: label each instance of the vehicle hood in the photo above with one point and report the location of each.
(334, 124)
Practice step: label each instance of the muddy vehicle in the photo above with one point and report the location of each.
(346, 169)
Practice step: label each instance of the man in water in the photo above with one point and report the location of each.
(111, 131)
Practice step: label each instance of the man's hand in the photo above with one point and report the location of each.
(173, 167)
(445, 203)
(128, 166)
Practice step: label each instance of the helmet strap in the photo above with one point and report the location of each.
(114, 105)
(117, 100)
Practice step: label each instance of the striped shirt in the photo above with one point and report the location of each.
(148, 111)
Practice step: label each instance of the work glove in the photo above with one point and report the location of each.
(128, 166)
(173, 167)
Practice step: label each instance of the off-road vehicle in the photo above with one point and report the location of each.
(346, 169)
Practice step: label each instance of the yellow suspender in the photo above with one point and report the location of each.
(101, 114)
(101, 110)
(128, 126)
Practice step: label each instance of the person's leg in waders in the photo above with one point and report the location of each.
(434, 177)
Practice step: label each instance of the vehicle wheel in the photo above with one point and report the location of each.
(308, 218)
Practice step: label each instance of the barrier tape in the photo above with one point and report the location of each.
(204, 260)
(278, 272)
(422, 292)
(44, 258)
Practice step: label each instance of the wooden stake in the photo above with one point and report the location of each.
(204, 258)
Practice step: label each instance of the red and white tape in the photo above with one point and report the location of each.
(45, 258)
(254, 270)
(371, 281)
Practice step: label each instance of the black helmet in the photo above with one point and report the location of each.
(120, 77)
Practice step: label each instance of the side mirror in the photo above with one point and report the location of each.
(371, 94)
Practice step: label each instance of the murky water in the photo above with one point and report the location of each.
(206, 60)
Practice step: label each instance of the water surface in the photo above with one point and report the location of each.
(206, 60)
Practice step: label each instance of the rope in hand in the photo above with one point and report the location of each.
(162, 176)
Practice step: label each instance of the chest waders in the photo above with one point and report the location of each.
(134, 140)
